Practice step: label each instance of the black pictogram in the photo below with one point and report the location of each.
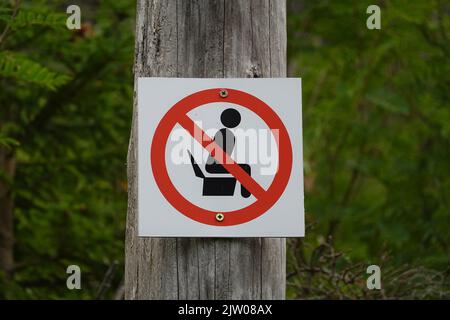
(225, 139)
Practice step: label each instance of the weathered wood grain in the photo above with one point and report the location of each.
(204, 38)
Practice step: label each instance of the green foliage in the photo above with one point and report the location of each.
(65, 110)
(376, 129)
(28, 17)
(316, 270)
(23, 69)
(7, 142)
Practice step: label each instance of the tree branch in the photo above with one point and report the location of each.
(8, 25)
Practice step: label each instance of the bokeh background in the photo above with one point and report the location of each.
(376, 142)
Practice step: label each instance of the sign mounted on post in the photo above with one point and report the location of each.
(220, 158)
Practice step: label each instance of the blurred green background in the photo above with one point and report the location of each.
(376, 142)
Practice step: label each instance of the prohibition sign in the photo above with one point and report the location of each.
(265, 199)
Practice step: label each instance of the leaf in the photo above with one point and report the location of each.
(21, 68)
(36, 17)
(388, 100)
(8, 142)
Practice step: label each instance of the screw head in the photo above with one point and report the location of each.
(223, 93)
(220, 217)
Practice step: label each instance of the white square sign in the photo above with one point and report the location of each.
(220, 158)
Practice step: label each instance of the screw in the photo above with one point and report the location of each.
(220, 217)
(223, 93)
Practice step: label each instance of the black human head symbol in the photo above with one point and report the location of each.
(230, 118)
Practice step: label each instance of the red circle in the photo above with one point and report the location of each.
(180, 203)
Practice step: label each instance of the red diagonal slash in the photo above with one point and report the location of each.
(232, 167)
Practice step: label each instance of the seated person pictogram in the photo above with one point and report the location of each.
(225, 139)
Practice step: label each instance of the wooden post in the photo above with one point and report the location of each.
(214, 39)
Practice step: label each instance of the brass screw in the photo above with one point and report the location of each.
(223, 93)
(220, 217)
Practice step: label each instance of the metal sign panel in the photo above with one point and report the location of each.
(220, 157)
